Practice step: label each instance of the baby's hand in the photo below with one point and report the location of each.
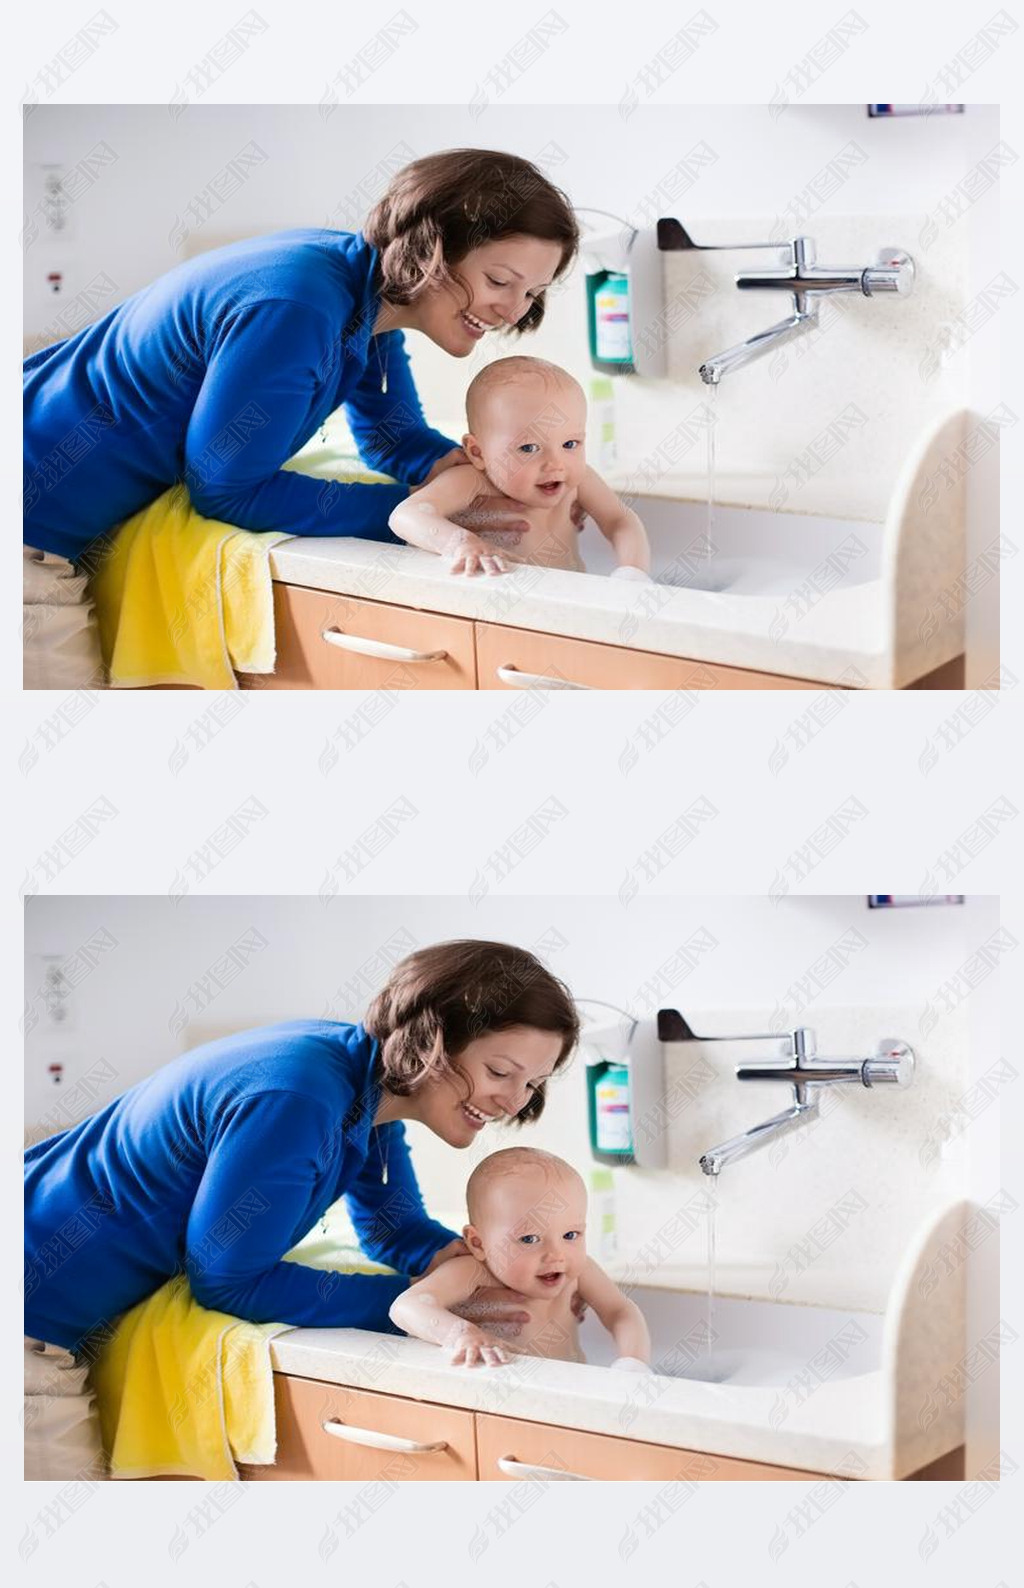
(468, 554)
(470, 1346)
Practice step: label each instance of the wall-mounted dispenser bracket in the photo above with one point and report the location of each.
(628, 262)
(635, 1043)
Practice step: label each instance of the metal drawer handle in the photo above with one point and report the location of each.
(380, 648)
(517, 680)
(378, 1441)
(525, 1469)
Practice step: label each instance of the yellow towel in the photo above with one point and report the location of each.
(186, 1392)
(185, 600)
(182, 599)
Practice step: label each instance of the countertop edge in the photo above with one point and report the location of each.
(392, 1367)
(550, 604)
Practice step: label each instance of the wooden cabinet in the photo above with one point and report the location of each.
(343, 642)
(508, 1449)
(508, 658)
(329, 1431)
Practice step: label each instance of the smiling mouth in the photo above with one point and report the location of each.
(551, 486)
(550, 1279)
(477, 1119)
(478, 327)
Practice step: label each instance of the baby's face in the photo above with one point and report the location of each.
(531, 1231)
(531, 440)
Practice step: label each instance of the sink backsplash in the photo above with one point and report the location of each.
(823, 423)
(823, 1215)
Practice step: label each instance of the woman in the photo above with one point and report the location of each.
(221, 1161)
(223, 368)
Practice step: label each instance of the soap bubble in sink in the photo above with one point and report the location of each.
(751, 1368)
(711, 574)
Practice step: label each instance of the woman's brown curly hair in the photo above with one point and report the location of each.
(438, 209)
(439, 999)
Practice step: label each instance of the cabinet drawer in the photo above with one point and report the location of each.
(571, 661)
(378, 646)
(567, 1450)
(371, 1435)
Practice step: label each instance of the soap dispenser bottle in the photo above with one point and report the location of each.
(611, 346)
(611, 1131)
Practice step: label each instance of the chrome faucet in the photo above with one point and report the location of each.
(893, 271)
(891, 1064)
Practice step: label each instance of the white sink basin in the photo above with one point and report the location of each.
(753, 1342)
(750, 551)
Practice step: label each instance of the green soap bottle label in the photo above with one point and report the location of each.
(612, 1098)
(611, 321)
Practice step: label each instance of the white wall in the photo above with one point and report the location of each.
(325, 170)
(152, 959)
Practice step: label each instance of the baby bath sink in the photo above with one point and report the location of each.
(750, 551)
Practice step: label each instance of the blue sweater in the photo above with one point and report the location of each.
(216, 374)
(215, 1166)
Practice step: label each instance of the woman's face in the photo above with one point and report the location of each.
(504, 277)
(502, 1068)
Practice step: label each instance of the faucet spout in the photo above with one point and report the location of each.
(742, 1146)
(802, 319)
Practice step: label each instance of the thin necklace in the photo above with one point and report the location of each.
(383, 389)
(383, 1169)
(383, 1157)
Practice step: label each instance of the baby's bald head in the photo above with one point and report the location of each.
(534, 378)
(517, 1171)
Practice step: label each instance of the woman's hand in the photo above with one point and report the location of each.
(504, 513)
(453, 1249)
(450, 460)
(470, 1346)
(499, 1311)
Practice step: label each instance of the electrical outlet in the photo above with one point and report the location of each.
(55, 204)
(54, 992)
(49, 205)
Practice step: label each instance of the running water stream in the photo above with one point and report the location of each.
(713, 410)
(711, 1211)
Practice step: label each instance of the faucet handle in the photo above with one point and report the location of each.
(894, 1063)
(893, 271)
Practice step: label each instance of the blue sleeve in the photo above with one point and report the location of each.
(265, 379)
(263, 1171)
(390, 1220)
(389, 427)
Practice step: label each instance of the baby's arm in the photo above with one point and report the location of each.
(424, 520)
(424, 1311)
(620, 1316)
(617, 523)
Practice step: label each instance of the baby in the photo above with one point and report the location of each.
(527, 1231)
(527, 440)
